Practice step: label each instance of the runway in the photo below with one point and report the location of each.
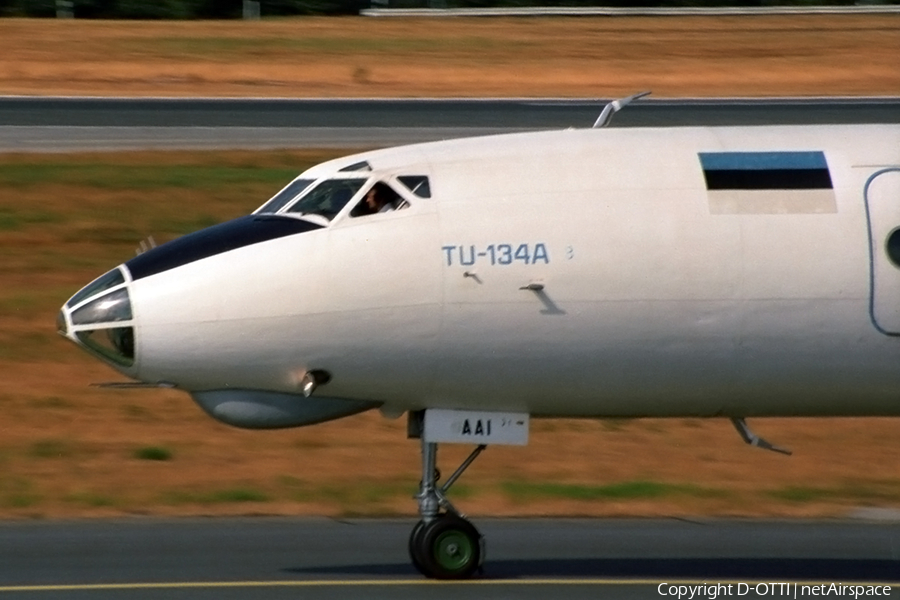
(527, 558)
(35, 124)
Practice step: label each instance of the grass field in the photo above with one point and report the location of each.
(67, 449)
(362, 57)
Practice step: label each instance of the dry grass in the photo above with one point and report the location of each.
(360, 57)
(67, 449)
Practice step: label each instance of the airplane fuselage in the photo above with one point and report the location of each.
(628, 272)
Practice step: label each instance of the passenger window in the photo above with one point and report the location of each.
(328, 198)
(380, 198)
(281, 199)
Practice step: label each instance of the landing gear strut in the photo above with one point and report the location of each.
(443, 544)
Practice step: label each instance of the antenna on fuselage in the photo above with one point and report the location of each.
(148, 244)
(613, 107)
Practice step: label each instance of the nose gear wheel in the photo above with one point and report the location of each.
(446, 547)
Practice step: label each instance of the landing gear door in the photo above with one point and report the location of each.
(882, 197)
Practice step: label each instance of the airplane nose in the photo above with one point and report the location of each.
(100, 319)
(61, 326)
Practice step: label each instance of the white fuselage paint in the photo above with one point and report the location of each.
(659, 297)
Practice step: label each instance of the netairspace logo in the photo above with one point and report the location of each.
(711, 591)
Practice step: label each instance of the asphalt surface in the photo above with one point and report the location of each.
(68, 124)
(527, 558)
(504, 113)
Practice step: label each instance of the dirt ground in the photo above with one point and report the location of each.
(68, 449)
(392, 57)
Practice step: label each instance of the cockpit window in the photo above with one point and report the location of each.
(379, 198)
(328, 198)
(280, 200)
(360, 166)
(417, 184)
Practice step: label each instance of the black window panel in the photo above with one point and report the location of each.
(243, 231)
(769, 179)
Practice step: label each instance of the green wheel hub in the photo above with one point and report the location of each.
(453, 550)
(446, 547)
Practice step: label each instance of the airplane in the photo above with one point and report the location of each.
(475, 284)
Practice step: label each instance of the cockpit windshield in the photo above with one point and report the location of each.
(281, 199)
(328, 198)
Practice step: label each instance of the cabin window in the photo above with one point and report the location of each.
(379, 198)
(282, 198)
(892, 246)
(328, 198)
(417, 184)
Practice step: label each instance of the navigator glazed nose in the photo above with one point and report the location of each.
(99, 318)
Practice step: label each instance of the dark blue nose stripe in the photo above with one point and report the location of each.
(243, 231)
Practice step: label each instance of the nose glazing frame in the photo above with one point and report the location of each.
(100, 319)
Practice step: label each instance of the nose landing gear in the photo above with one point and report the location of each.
(443, 544)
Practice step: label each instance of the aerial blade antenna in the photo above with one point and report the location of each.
(754, 440)
(149, 244)
(613, 107)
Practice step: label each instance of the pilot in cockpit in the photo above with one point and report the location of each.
(379, 199)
